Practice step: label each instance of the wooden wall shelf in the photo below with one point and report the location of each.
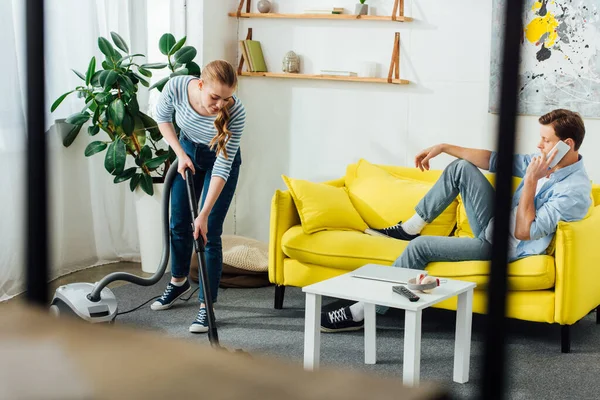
(325, 77)
(346, 17)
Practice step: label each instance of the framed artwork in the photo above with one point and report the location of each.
(560, 58)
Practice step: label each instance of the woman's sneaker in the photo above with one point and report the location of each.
(171, 294)
(200, 325)
(339, 320)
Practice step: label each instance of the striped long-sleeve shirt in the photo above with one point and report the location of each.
(199, 128)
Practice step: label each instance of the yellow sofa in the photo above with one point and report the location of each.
(558, 288)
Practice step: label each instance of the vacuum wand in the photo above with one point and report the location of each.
(200, 252)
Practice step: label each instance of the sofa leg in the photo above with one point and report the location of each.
(598, 315)
(565, 338)
(279, 293)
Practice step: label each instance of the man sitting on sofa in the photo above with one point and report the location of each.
(544, 197)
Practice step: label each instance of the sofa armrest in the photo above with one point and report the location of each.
(284, 215)
(577, 259)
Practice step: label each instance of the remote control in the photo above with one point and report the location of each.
(405, 292)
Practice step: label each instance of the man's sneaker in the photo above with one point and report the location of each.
(395, 232)
(200, 325)
(171, 294)
(339, 320)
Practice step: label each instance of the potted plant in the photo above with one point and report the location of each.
(362, 8)
(111, 106)
(131, 138)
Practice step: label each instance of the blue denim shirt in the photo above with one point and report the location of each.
(566, 196)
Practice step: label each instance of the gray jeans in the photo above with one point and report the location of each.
(460, 177)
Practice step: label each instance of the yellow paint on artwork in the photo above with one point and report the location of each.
(536, 6)
(540, 26)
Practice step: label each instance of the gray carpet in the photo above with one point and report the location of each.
(246, 319)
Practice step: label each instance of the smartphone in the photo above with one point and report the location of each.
(562, 149)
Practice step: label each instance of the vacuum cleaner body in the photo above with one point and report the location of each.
(72, 299)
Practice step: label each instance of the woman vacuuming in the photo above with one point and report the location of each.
(212, 120)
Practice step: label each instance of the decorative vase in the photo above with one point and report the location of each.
(361, 9)
(264, 6)
(291, 62)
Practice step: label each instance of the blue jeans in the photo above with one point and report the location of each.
(181, 221)
(460, 177)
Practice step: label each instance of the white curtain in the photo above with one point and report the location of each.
(93, 221)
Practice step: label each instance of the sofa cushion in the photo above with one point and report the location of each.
(323, 207)
(383, 199)
(350, 250)
(340, 249)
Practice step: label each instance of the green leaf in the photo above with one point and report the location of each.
(165, 43)
(133, 107)
(125, 175)
(94, 147)
(70, 137)
(160, 84)
(156, 161)
(104, 98)
(128, 124)
(114, 162)
(87, 105)
(106, 48)
(79, 74)
(93, 130)
(90, 71)
(146, 153)
(102, 77)
(182, 71)
(185, 54)
(96, 116)
(151, 126)
(142, 80)
(95, 81)
(135, 180)
(154, 65)
(107, 66)
(146, 184)
(145, 72)
(126, 84)
(116, 112)
(193, 68)
(59, 100)
(177, 46)
(110, 80)
(78, 118)
(119, 42)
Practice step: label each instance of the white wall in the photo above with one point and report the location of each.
(312, 129)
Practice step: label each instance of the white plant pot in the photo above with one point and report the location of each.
(149, 223)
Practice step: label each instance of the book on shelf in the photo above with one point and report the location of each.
(337, 73)
(253, 55)
(244, 52)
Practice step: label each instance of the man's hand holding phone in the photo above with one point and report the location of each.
(544, 165)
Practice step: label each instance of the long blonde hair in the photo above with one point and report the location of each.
(222, 72)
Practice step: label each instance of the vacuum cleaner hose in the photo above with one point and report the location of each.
(138, 280)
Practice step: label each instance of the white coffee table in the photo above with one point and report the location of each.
(373, 292)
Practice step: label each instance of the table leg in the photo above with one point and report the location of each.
(462, 346)
(412, 348)
(312, 331)
(370, 334)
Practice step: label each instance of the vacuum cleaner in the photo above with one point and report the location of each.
(96, 303)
